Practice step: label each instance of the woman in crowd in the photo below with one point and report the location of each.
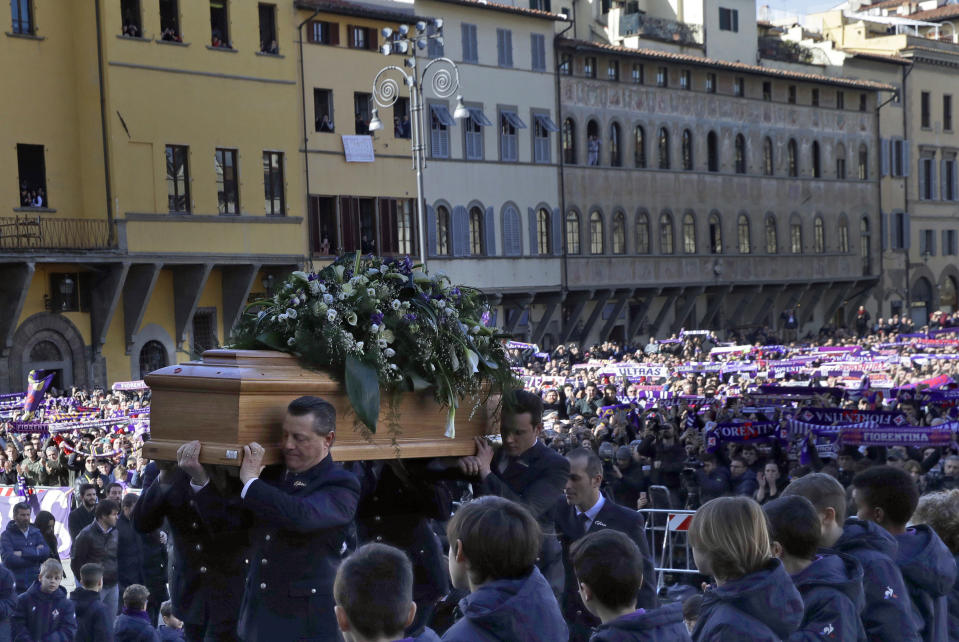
(46, 523)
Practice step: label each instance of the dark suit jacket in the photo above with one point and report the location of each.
(536, 479)
(570, 529)
(299, 531)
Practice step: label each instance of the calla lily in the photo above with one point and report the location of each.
(339, 270)
(419, 276)
(473, 360)
(450, 423)
(303, 276)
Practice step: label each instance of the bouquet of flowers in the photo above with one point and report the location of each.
(384, 324)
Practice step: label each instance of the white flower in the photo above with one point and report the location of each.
(260, 315)
(387, 335)
(281, 317)
(331, 315)
(321, 287)
(341, 296)
(475, 329)
(290, 341)
(303, 276)
(328, 299)
(338, 270)
(273, 318)
(389, 353)
(359, 346)
(381, 343)
(351, 319)
(347, 289)
(374, 328)
(291, 313)
(395, 304)
(372, 272)
(370, 292)
(314, 287)
(393, 366)
(384, 269)
(440, 304)
(450, 312)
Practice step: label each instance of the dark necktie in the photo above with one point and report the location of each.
(583, 522)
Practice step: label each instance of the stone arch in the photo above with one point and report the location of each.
(59, 331)
(150, 332)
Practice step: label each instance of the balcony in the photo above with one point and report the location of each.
(773, 48)
(645, 26)
(27, 233)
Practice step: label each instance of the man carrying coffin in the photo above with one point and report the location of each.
(299, 515)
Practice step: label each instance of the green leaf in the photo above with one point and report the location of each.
(273, 340)
(363, 389)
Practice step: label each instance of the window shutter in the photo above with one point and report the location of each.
(371, 39)
(955, 179)
(465, 37)
(944, 173)
(945, 243)
(557, 232)
(932, 243)
(508, 40)
(907, 235)
(533, 236)
(735, 13)
(311, 31)
(512, 235)
(350, 40)
(499, 47)
(461, 231)
(885, 232)
(430, 231)
(334, 28)
(932, 178)
(884, 146)
(922, 243)
(489, 229)
(905, 158)
(922, 179)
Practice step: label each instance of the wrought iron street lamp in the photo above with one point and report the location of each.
(443, 75)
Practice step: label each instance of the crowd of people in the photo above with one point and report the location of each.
(813, 517)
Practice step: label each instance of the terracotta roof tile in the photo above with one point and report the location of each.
(699, 61)
(360, 9)
(942, 13)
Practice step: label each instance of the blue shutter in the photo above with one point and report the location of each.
(430, 231)
(945, 243)
(512, 232)
(885, 232)
(932, 243)
(932, 178)
(944, 173)
(922, 179)
(907, 235)
(461, 231)
(557, 232)
(885, 146)
(905, 157)
(922, 242)
(489, 227)
(533, 236)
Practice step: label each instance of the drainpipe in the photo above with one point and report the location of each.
(103, 127)
(562, 181)
(306, 133)
(905, 185)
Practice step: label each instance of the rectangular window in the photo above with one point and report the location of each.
(396, 226)
(537, 42)
(638, 75)
(227, 182)
(814, 98)
(273, 184)
(949, 180)
(543, 126)
(323, 110)
(565, 64)
(739, 87)
(949, 247)
(728, 19)
(662, 77)
(170, 21)
(362, 109)
(767, 91)
(219, 24)
(925, 110)
(323, 33)
(589, 67)
(362, 38)
(178, 178)
(402, 127)
(268, 39)
(710, 83)
(898, 157)
(792, 95)
(131, 18)
(612, 72)
(470, 49)
(440, 122)
(840, 100)
(862, 102)
(434, 46)
(685, 79)
(358, 224)
(927, 178)
(22, 14)
(947, 112)
(33, 176)
(504, 47)
(509, 123)
(323, 225)
(473, 132)
(840, 168)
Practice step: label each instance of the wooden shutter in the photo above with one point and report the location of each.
(905, 158)
(430, 231)
(884, 233)
(489, 230)
(334, 30)
(557, 231)
(907, 233)
(512, 233)
(349, 222)
(533, 232)
(311, 31)
(314, 207)
(350, 37)
(371, 39)
(388, 242)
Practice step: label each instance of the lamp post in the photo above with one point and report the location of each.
(445, 80)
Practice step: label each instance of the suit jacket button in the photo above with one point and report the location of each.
(377, 518)
(263, 586)
(379, 538)
(313, 591)
(203, 569)
(267, 538)
(263, 561)
(195, 526)
(199, 547)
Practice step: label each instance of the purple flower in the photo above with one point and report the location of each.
(376, 318)
(409, 317)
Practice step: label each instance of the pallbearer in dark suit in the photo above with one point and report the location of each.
(526, 471)
(585, 510)
(300, 515)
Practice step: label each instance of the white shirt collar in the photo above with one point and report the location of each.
(594, 511)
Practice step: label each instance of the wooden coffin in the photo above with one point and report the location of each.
(233, 397)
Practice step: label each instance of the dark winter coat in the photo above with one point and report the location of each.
(93, 624)
(44, 616)
(831, 589)
(8, 603)
(129, 554)
(953, 603)
(661, 625)
(134, 627)
(33, 551)
(929, 570)
(760, 607)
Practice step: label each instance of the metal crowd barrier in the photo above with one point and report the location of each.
(666, 533)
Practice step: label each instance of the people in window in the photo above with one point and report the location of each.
(592, 150)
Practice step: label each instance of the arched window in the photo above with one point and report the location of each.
(793, 161)
(687, 149)
(619, 233)
(772, 241)
(153, 356)
(642, 233)
(596, 233)
(615, 158)
(689, 233)
(543, 232)
(663, 148)
(477, 244)
(666, 233)
(843, 235)
(443, 230)
(46, 351)
(768, 166)
(795, 235)
(712, 152)
(840, 161)
(863, 163)
(593, 143)
(865, 245)
(572, 232)
(715, 233)
(816, 166)
(639, 146)
(569, 142)
(512, 231)
(740, 154)
(742, 229)
(819, 242)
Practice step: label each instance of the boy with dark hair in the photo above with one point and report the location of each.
(133, 625)
(374, 596)
(171, 629)
(44, 612)
(887, 616)
(609, 569)
(93, 625)
(830, 585)
(494, 544)
(888, 497)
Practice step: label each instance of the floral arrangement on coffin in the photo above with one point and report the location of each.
(384, 324)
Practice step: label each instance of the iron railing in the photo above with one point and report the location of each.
(640, 24)
(48, 233)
